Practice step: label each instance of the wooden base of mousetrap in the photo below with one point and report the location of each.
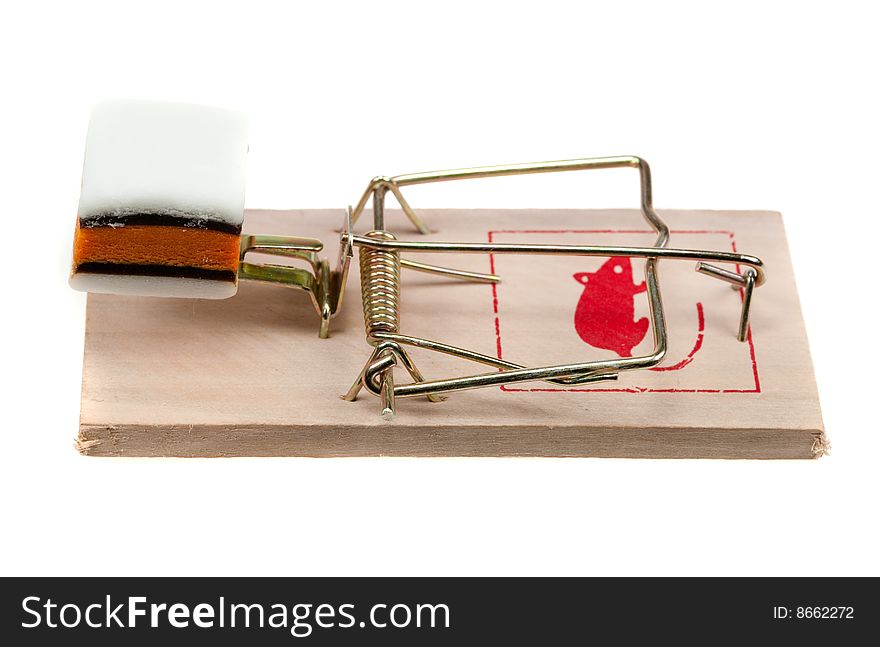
(248, 376)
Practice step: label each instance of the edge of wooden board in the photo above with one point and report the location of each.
(321, 441)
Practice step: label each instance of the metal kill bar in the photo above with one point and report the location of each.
(377, 375)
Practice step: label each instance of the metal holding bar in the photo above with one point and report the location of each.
(579, 250)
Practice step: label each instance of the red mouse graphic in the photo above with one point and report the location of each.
(605, 311)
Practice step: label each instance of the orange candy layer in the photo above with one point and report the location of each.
(157, 245)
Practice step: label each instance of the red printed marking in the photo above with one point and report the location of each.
(697, 346)
(724, 232)
(495, 304)
(604, 316)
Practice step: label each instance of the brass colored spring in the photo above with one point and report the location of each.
(380, 287)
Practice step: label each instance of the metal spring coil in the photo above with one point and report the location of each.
(380, 286)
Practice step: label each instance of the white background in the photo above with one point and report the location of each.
(758, 105)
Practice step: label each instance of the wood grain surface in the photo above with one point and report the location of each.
(248, 376)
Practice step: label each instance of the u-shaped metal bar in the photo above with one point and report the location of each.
(512, 373)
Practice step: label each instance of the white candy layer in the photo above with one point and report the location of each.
(152, 286)
(155, 157)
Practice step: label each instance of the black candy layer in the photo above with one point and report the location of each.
(156, 219)
(129, 269)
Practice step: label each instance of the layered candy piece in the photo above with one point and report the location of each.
(162, 201)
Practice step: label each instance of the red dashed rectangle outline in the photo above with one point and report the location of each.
(508, 389)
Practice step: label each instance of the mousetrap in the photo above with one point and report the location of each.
(479, 332)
